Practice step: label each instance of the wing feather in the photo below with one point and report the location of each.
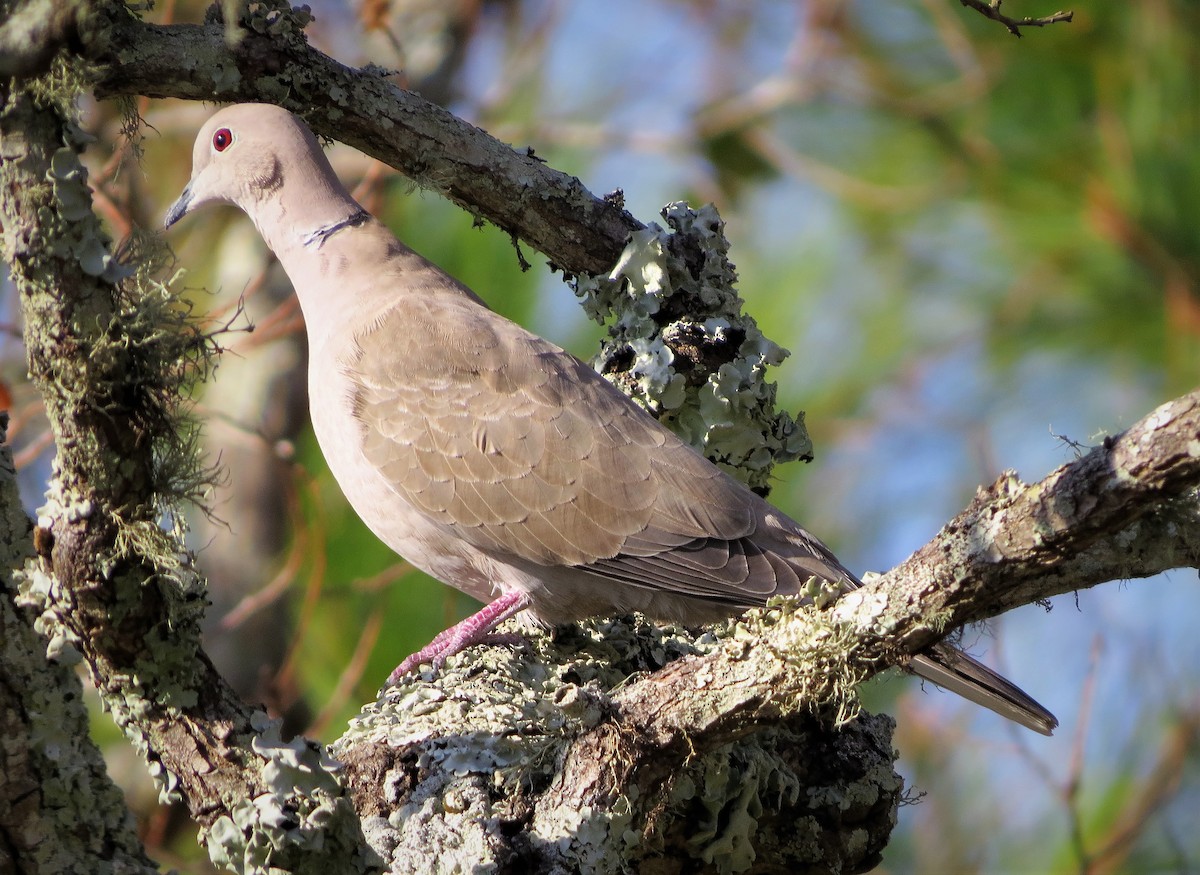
(524, 451)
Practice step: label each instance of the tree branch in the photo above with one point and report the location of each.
(514, 190)
(1126, 509)
(991, 9)
(533, 760)
(525, 766)
(111, 354)
(59, 811)
(615, 752)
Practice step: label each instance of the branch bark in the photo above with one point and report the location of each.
(58, 807)
(110, 357)
(511, 188)
(1126, 509)
(991, 9)
(777, 681)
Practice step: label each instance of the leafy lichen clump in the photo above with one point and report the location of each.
(280, 829)
(680, 345)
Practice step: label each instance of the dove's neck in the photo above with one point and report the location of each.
(296, 216)
(301, 225)
(347, 268)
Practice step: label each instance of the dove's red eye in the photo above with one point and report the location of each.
(222, 139)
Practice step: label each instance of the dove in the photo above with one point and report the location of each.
(490, 458)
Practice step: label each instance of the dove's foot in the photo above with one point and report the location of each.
(474, 629)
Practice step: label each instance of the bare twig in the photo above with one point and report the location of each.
(991, 9)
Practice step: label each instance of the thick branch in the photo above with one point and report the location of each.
(59, 811)
(548, 209)
(109, 358)
(1126, 509)
(642, 736)
(524, 760)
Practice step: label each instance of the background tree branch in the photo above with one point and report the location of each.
(991, 9)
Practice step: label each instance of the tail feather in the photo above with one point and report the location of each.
(952, 669)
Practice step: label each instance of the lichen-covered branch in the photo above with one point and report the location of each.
(59, 811)
(533, 759)
(549, 755)
(744, 749)
(1129, 508)
(272, 63)
(111, 353)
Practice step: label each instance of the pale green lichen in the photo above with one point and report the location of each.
(290, 84)
(729, 788)
(864, 609)
(817, 645)
(496, 720)
(303, 809)
(680, 345)
(65, 813)
(717, 803)
(493, 721)
(528, 704)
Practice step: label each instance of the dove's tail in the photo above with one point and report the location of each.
(949, 667)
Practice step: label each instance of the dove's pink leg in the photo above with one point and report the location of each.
(462, 635)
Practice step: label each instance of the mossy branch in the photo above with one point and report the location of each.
(59, 810)
(111, 354)
(575, 754)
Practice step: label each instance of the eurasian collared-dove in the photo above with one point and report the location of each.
(489, 457)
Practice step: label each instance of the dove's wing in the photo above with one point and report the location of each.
(522, 449)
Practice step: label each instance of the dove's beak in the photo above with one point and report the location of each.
(180, 208)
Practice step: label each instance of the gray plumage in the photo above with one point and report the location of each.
(489, 457)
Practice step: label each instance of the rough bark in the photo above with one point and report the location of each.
(1128, 508)
(635, 753)
(271, 62)
(110, 355)
(57, 804)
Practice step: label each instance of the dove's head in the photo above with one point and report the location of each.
(254, 154)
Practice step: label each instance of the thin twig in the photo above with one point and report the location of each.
(992, 10)
(351, 675)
